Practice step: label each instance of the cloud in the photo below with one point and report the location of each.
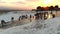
(19, 2)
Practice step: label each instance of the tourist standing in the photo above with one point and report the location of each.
(19, 18)
(53, 15)
(3, 22)
(26, 16)
(12, 19)
(30, 18)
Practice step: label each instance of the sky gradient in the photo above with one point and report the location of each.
(28, 4)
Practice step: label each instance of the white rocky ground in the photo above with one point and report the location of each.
(49, 26)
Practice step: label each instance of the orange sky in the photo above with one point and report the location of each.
(28, 4)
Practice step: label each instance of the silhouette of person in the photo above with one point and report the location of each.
(19, 18)
(53, 15)
(30, 17)
(41, 15)
(45, 17)
(26, 17)
(33, 17)
(36, 16)
(12, 19)
(3, 22)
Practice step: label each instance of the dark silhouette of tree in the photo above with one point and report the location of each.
(39, 8)
(42, 8)
(56, 8)
(51, 9)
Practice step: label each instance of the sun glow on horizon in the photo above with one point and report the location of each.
(31, 4)
(47, 1)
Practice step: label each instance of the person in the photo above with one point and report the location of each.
(19, 18)
(3, 22)
(36, 16)
(12, 19)
(45, 17)
(30, 18)
(22, 17)
(33, 17)
(53, 15)
(41, 14)
(26, 17)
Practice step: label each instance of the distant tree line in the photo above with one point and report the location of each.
(51, 8)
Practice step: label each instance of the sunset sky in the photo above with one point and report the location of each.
(28, 4)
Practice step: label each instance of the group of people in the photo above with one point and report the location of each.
(12, 19)
(20, 17)
(37, 16)
(40, 15)
(43, 15)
